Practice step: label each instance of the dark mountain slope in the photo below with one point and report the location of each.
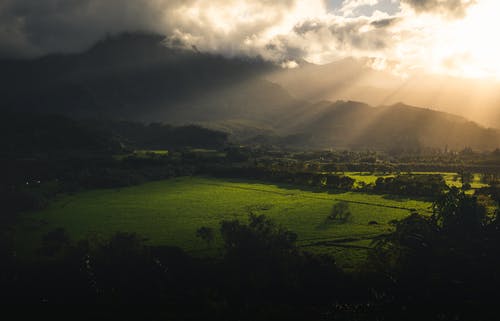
(136, 76)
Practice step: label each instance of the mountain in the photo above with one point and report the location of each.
(364, 80)
(350, 124)
(140, 77)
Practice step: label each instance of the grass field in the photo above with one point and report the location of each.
(365, 177)
(451, 179)
(169, 212)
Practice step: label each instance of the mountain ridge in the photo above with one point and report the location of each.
(137, 77)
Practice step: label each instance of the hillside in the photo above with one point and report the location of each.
(364, 80)
(350, 124)
(139, 77)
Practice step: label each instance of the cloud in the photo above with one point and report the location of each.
(42, 26)
(450, 8)
(335, 37)
(276, 30)
(36, 27)
(386, 22)
(282, 31)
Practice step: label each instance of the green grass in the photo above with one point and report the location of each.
(142, 154)
(365, 177)
(146, 152)
(451, 179)
(169, 212)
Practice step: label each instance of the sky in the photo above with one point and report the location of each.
(455, 37)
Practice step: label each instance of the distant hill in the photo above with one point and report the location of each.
(350, 124)
(138, 77)
(356, 79)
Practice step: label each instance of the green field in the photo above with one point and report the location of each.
(169, 212)
(142, 154)
(365, 177)
(451, 179)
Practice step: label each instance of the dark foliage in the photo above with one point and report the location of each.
(448, 262)
(160, 136)
(260, 274)
(282, 175)
(207, 234)
(30, 135)
(415, 185)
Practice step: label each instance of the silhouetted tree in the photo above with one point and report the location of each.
(206, 234)
(458, 214)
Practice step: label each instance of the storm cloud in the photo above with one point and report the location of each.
(36, 27)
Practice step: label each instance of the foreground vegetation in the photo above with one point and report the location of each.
(434, 267)
(169, 212)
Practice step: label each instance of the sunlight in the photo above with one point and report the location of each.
(468, 47)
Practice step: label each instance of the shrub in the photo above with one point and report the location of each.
(340, 212)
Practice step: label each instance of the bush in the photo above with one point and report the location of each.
(206, 234)
(340, 212)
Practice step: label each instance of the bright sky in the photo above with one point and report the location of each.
(453, 37)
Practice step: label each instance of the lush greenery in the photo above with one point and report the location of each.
(119, 212)
(431, 267)
(169, 212)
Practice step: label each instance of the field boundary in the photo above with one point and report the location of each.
(340, 242)
(311, 197)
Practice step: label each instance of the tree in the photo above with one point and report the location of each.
(206, 234)
(466, 177)
(259, 236)
(458, 214)
(340, 212)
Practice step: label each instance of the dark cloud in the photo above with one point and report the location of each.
(308, 26)
(383, 23)
(351, 36)
(33, 27)
(282, 49)
(358, 34)
(37, 27)
(450, 8)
